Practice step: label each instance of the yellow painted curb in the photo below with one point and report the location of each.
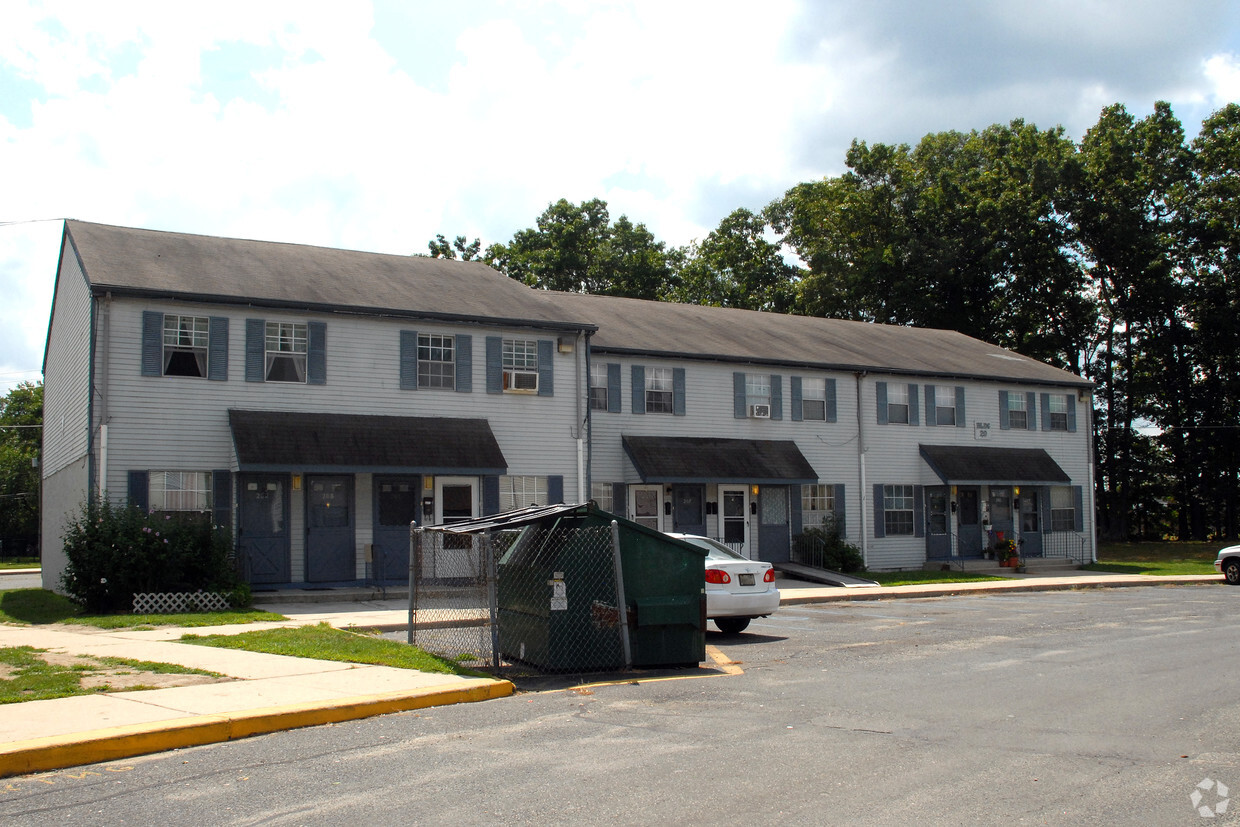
(61, 751)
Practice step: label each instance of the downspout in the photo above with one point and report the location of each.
(1093, 493)
(865, 541)
(105, 316)
(582, 382)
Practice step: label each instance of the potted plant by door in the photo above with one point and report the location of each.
(1006, 550)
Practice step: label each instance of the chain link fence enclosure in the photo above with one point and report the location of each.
(519, 600)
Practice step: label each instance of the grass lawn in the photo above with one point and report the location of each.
(323, 642)
(38, 606)
(908, 578)
(1157, 559)
(29, 674)
(19, 563)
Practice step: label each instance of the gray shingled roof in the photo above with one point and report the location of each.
(633, 326)
(181, 265)
(148, 262)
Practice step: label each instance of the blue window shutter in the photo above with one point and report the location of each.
(217, 349)
(960, 415)
(880, 401)
(139, 489)
(316, 361)
(919, 512)
(490, 495)
(638, 393)
(619, 497)
(1071, 412)
(1005, 421)
(841, 512)
(1046, 411)
(794, 394)
(678, 391)
(152, 343)
(1078, 505)
(794, 502)
(880, 522)
(831, 404)
(255, 350)
(932, 413)
(914, 416)
(613, 388)
(409, 360)
(555, 489)
(1031, 410)
(738, 395)
(546, 367)
(777, 396)
(464, 343)
(221, 496)
(495, 378)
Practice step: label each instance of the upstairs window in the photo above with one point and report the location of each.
(944, 406)
(1018, 415)
(897, 403)
(1058, 406)
(185, 345)
(758, 395)
(520, 364)
(286, 347)
(659, 390)
(814, 399)
(436, 361)
(598, 386)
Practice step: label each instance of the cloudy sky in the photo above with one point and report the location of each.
(376, 125)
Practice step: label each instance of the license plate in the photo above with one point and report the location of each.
(745, 579)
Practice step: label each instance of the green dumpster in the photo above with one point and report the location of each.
(557, 595)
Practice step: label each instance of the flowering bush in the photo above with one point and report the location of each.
(117, 551)
(1005, 549)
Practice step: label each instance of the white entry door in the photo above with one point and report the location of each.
(456, 501)
(734, 518)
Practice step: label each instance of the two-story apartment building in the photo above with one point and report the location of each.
(318, 400)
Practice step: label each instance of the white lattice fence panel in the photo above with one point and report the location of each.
(175, 602)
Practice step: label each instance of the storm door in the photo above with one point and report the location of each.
(689, 509)
(647, 508)
(396, 500)
(262, 527)
(330, 555)
(1001, 512)
(938, 523)
(734, 518)
(457, 557)
(968, 521)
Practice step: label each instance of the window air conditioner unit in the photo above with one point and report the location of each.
(521, 381)
(760, 411)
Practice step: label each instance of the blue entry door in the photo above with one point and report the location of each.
(397, 501)
(689, 509)
(969, 540)
(938, 538)
(330, 556)
(262, 527)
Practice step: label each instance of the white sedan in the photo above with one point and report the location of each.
(737, 589)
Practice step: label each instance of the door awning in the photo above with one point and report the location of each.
(709, 460)
(355, 443)
(955, 464)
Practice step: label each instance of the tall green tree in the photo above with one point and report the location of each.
(576, 248)
(459, 248)
(21, 421)
(737, 266)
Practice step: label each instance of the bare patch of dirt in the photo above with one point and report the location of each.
(96, 674)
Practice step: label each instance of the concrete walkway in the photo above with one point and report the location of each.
(276, 692)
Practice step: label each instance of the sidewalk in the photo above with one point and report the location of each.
(276, 692)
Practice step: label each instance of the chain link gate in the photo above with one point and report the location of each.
(518, 600)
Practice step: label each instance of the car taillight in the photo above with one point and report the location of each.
(769, 577)
(717, 576)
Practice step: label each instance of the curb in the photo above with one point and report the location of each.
(986, 587)
(60, 752)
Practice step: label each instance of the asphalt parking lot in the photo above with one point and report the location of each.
(1075, 707)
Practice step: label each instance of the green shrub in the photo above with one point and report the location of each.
(825, 548)
(117, 551)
